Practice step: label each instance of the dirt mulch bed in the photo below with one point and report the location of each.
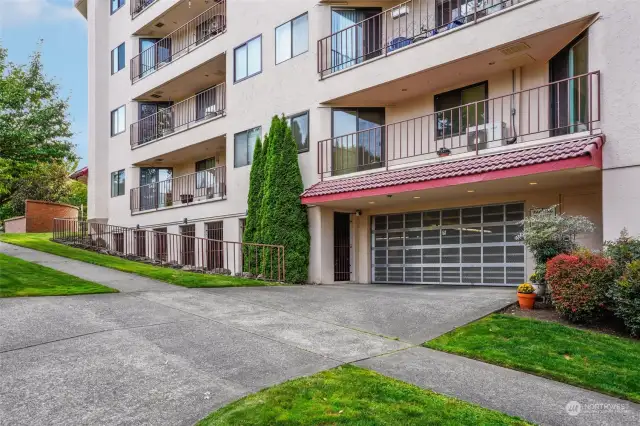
(609, 324)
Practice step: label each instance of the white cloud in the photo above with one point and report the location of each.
(20, 12)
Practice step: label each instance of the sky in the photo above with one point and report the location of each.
(63, 30)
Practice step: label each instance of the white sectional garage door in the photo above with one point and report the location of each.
(471, 245)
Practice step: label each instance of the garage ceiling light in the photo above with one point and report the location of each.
(533, 183)
(372, 202)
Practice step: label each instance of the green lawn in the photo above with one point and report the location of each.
(42, 242)
(588, 359)
(22, 278)
(354, 396)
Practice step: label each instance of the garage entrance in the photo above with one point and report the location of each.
(463, 246)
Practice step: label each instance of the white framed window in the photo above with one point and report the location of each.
(244, 144)
(292, 38)
(248, 59)
(118, 120)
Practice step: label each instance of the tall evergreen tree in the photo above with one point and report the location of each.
(284, 218)
(251, 230)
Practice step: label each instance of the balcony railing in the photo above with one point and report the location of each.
(175, 250)
(559, 108)
(206, 26)
(395, 28)
(180, 191)
(203, 106)
(137, 6)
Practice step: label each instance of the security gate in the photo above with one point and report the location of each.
(471, 245)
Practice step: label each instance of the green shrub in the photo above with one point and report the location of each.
(579, 284)
(251, 231)
(625, 294)
(623, 251)
(284, 218)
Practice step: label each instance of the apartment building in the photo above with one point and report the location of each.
(427, 129)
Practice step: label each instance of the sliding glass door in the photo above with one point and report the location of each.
(155, 187)
(358, 142)
(569, 109)
(353, 40)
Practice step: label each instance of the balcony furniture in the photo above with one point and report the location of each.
(398, 43)
(186, 198)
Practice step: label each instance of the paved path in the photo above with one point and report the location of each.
(156, 356)
(121, 281)
(520, 394)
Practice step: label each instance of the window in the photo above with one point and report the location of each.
(117, 183)
(248, 59)
(116, 4)
(358, 142)
(299, 124)
(292, 38)
(456, 110)
(205, 177)
(118, 121)
(569, 100)
(244, 143)
(117, 59)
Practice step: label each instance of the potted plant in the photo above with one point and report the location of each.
(443, 152)
(526, 296)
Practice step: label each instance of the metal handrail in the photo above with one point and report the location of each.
(206, 26)
(205, 105)
(187, 189)
(530, 114)
(398, 27)
(175, 250)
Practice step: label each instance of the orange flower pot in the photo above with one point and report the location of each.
(526, 301)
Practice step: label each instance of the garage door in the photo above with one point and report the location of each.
(471, 245)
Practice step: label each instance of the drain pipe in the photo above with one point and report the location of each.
(514, 139)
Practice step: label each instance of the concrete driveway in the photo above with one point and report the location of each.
(171, 357)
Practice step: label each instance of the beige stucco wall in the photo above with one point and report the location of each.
(294, 86)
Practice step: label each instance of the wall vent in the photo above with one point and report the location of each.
(514, 48)
(159, 25)
(156, 96)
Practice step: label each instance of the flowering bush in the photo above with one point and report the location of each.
(579, 283)
(525, 288)
(625, 294)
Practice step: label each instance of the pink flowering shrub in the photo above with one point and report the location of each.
(579, 284)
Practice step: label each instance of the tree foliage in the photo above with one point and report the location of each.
(251, 234)
(35, 132)
(274, 201)
(34, 126)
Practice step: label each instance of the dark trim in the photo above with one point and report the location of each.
(124, 2)
(298, 114)
(275, 33)
(124, 183)
(234, 60)
(459, 89)
(125, 59)
(111, 120)
(249, 160)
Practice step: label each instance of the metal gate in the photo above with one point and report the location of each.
(466, 246)
(341, 247)
(215, 249)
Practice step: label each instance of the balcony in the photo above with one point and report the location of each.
(205, 106)
(554, 111)
(193, 188)
(398, 27)
(206, 26)
(138, 6)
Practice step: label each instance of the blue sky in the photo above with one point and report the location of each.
(64, 51)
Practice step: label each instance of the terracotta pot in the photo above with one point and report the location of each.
(526, 301)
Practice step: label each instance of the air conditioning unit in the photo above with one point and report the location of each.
(483, 134)
(399, 11)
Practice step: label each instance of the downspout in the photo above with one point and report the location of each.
(514, 139)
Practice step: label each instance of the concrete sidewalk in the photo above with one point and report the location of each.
(520, 394)
(121, 281)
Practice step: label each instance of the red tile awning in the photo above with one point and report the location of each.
(568, 154)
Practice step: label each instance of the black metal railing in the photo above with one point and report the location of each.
(397, 27)
(175, 250)
(206, 26)
(558, 108)
(193, 188)
(205, 105)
